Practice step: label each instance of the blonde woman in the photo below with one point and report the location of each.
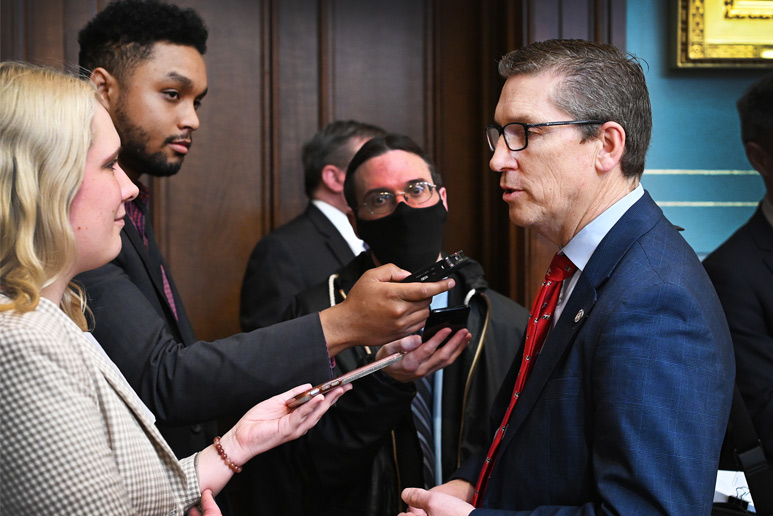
(75, 438)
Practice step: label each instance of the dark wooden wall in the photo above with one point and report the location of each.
(281, 69)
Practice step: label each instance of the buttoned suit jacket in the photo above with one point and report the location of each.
(186, 382)
(287, 261)
(75, 436)
(742, 272)
(626, 406)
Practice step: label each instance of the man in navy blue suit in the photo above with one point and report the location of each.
(626, 405)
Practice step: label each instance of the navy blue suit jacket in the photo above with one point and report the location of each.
(626, 407)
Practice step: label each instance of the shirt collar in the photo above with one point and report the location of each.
(144, 195)
(581, 247)
(341, 223)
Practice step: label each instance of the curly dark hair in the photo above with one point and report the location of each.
(125, 31)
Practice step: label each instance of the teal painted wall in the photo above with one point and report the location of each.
(696, 167)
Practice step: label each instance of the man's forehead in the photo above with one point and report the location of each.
(174, 62)
(527, 98)
(391, 170)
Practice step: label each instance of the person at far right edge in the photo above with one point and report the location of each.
(742, 270)
(622, 408)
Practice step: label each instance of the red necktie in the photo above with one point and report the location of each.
(560, 269)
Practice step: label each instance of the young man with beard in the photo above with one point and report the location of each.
(372, 445)
(145, 58)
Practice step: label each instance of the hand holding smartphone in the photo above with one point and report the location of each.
(439, 270)
(454, 317)
(349, 377)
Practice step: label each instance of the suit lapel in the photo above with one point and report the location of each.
(154, 272)
(151, 259)
(333, 239)
(557, 343)
(639, 219)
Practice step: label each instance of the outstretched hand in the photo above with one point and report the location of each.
(423, 358)
(271, 423)
(266, 425)
(379, 309)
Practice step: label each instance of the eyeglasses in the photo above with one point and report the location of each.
(416, 193)
(517, 133)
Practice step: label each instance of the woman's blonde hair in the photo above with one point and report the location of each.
(45, 135)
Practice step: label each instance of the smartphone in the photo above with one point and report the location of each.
(300, 399)
(454, 317)
(439, 270)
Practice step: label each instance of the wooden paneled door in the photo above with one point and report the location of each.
(281, 69)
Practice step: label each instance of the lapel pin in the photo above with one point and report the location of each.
(579, 315)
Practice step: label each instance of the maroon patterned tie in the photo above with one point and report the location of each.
(138, 219)
(540, 316)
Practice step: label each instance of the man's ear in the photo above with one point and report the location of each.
(107, 87)
(443, 196)
(758, 157)
(762, 161)
(333, 178)
(612, 138)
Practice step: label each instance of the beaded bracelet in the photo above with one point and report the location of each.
(224, 456)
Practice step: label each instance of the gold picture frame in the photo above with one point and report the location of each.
(724, 33)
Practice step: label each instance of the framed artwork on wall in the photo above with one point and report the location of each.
(723, 34)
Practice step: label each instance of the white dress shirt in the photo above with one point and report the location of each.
(341, 223)
(582, 246)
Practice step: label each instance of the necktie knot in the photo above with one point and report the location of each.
(560, 268)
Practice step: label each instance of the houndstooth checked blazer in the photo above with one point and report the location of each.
(74, 437)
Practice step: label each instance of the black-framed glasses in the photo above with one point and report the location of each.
(416, 193)
(517, 133)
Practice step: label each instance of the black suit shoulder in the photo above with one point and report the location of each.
(741, 270)
(287, 261)
(743, 246)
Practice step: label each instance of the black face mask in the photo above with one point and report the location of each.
(408, 237)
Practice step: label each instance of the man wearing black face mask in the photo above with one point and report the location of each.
(362, 454)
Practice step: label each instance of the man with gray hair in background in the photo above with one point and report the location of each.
(320, 240)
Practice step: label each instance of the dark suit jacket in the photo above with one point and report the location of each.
(742, 272)
(180, 379)
(360, 456)
(287, 261)
(626, 407)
